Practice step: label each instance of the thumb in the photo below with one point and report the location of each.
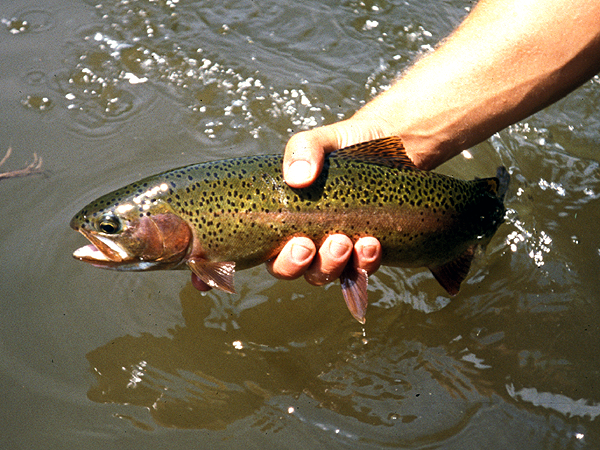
(305, 151)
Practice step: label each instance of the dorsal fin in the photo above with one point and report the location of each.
(387, 151)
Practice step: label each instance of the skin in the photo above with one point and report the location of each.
(506, 61)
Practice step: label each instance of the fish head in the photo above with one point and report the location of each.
(132, 236)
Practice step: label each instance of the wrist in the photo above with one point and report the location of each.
(428, 141)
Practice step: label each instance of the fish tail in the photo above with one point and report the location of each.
(503, 181)
(497, 185)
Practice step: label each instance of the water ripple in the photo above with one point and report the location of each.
(29, 21)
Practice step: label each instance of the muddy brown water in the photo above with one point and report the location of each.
(112, 91)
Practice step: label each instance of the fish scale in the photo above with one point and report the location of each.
(240, 212)
(228, 199)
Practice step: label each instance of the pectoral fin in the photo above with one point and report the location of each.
(354, 287)
(218, 275)
(451, 274)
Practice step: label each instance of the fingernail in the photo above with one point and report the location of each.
(338, 249)
(369, 251)
(299, 172)
(300, 253)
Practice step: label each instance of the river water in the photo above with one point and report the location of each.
(111, 91)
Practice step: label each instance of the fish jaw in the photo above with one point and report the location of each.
(91, 255)
(107, 254)
(101, 250)
(160, 241)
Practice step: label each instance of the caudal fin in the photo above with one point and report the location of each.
(497, 185)
(503, 181)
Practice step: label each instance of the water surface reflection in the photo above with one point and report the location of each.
(109, 92)
(280, 361)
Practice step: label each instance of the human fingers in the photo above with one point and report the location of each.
(367, 254)
(330, 261)
(303, 159)
(298, 254)
(305, 151)
(293, 260)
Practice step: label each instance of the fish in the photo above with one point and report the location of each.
(217, 217)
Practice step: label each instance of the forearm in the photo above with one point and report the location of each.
(509, 59)
(506, 61)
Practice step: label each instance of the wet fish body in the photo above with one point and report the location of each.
(216, 216)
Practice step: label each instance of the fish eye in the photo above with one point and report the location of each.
(109, 224)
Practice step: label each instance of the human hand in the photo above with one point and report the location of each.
(445, 103)
(305, 151)
(299, 256)
(303, 161)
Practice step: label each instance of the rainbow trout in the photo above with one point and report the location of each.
(219, 216)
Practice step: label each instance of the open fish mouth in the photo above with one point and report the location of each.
(101, 252)
(107, 254)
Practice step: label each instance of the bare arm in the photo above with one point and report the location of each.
(507, 60)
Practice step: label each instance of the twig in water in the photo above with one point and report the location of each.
(34, 167)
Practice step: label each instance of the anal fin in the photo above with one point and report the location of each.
(451, 274)
(354, 283)
(217, 274)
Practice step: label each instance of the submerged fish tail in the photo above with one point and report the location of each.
(503, 181)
